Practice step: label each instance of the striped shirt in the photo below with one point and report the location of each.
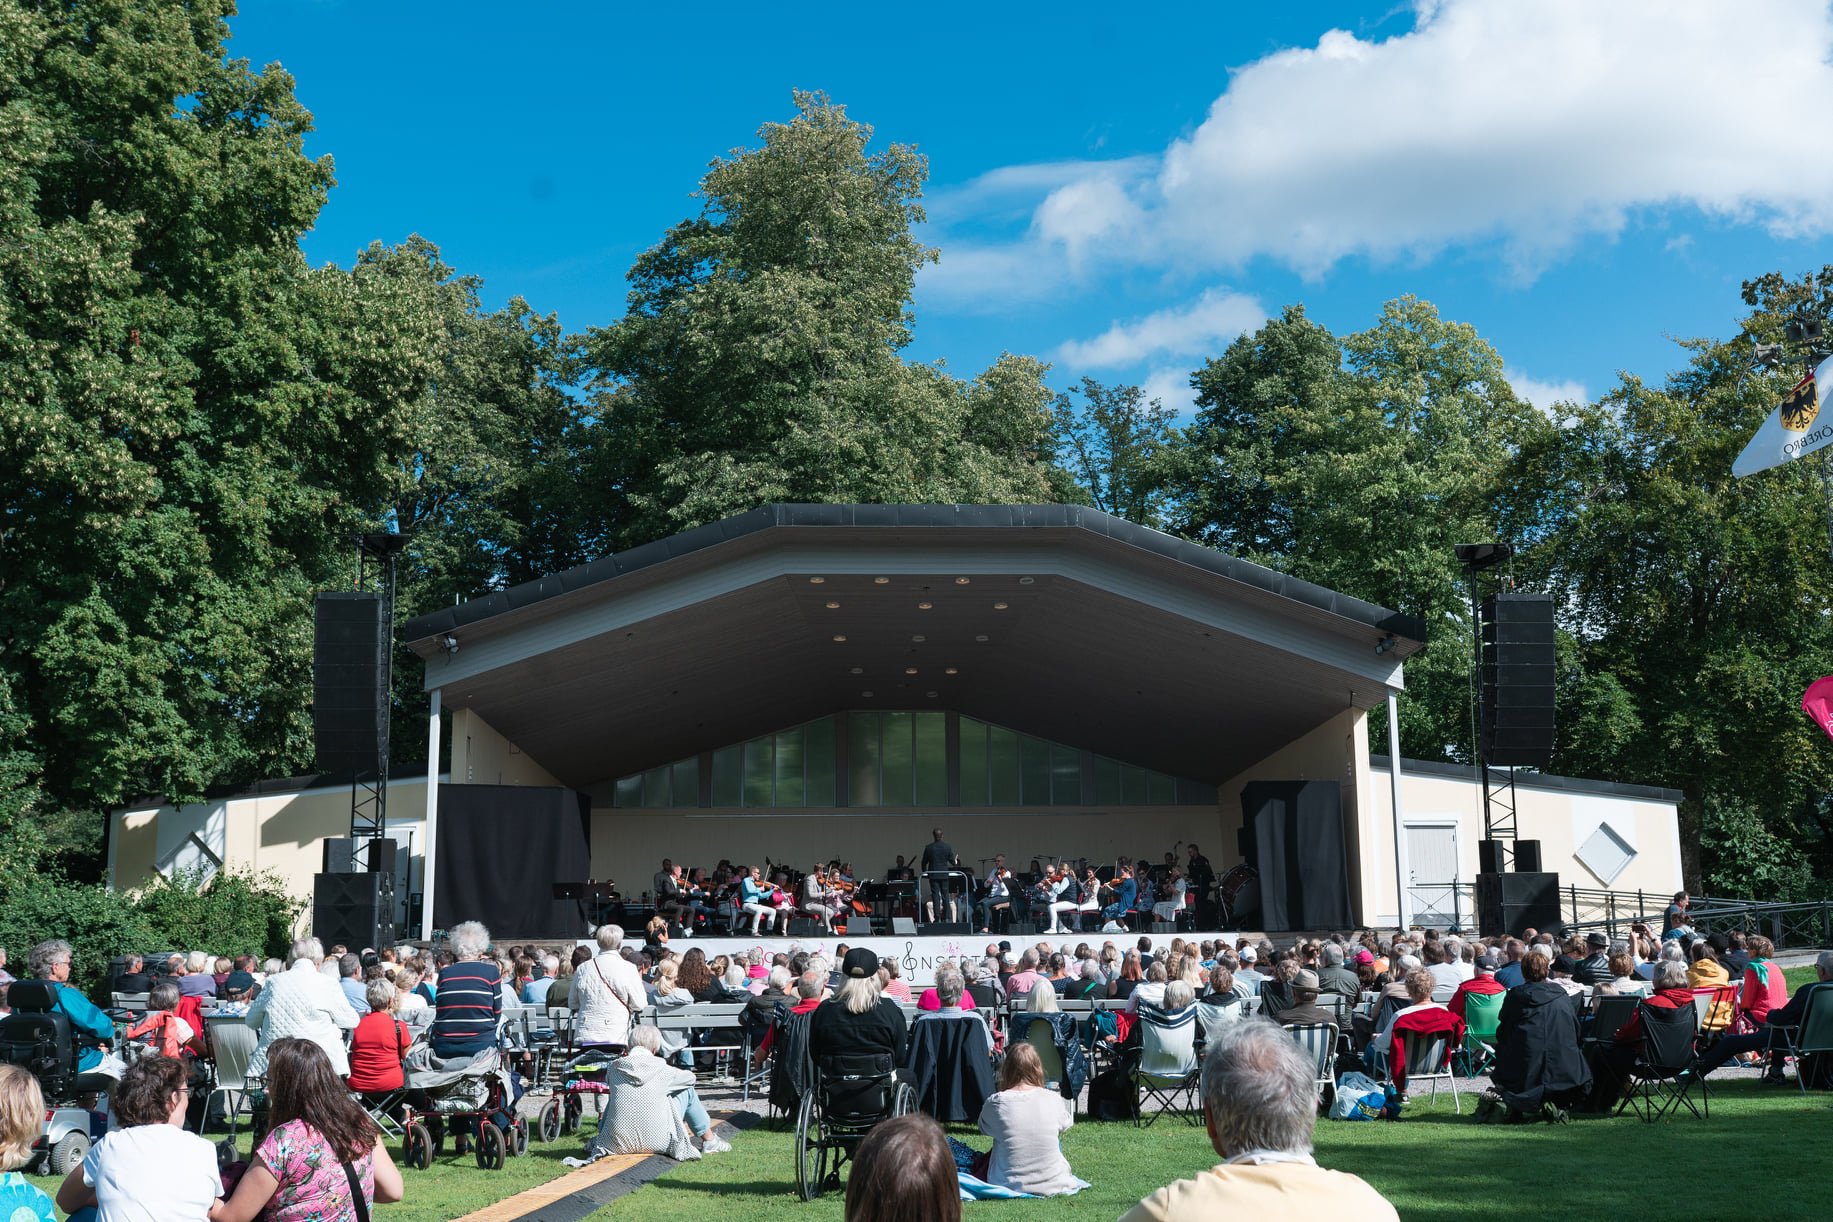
(469, 1002)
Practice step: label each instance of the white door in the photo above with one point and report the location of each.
(1432, 873)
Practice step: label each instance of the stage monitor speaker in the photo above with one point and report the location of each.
(1489, 856)
(1509, 903)
(1518, 656)
(1527, 856)
(353, 909)
(1299, 853)
(349, 682)
(903, 925)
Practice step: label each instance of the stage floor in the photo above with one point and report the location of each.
(919, 954)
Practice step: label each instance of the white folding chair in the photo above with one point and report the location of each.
(1319, 1040)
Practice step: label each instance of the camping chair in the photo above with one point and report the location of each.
(1813, 1037)
(1662, 1078)
(1167, 1061)
(1043, 1042)
(1607, 1015)
(1482, 1018)
(951, 1066)
(232, 1047)
(1717, 1006)
(1423, 1043)
(1319, 1040)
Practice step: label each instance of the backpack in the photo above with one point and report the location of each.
(1111, 1096)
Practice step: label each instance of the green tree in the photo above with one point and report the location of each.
(759, 359)
(1359, 464)
(1117, 445)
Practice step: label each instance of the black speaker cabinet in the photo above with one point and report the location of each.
(1489, 856)
(353, 909)
(349, 682)
(1527, 856)
(1518, 651)
(1509, 903)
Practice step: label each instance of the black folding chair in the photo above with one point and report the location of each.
(1662, 1079)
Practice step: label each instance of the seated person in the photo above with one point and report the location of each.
(1538, 1070)
(1764, 986)
(1260, 1099)
(1622, 979)
(22, 1117)
(1024, 1120)
(134, 977)
(1150, 990)
(50, 961)
(379, 1043)
(1781, 1016)
(952, 1001)
(147, 1166)
(1706, 972)
(1593, 967)
(857, 1021)
(1304, 1009)
(160, 1029)
(1611, 1059)
(1419, 985)
(904, 1170)
(652, 1107)
(931, 999)
(1483, 984)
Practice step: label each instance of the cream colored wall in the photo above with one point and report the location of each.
(1561, 820)
(1335, 751)
(481, 756)
(280, 832)
(630, 845)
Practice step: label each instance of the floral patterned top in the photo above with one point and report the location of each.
(21, 1202)
(313, 1186)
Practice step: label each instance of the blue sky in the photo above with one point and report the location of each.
(1121, 190)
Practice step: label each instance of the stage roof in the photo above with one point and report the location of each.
(1056, 620)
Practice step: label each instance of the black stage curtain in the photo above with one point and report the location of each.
(501, 850)
(1298, 840)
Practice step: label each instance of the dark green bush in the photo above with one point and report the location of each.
(98, 924)
(234, 913)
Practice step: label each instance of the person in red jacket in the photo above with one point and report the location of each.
(379, 1043)
(1613, 1059)
(1484, 983)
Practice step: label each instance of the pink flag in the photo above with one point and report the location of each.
(1817, 702)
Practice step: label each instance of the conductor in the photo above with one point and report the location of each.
(938, 859)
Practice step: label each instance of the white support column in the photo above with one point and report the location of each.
(1393, 775)
(428, 870)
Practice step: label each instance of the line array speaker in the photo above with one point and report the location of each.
(349, 682)
(1518, 649)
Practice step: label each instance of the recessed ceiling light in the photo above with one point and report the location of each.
(1000, 606)
(981, 637)
(910, 670)
(931, 695)
(867, 695)
(950, 670)
(924, 606)
(919, 639)
(881, 581)
(1025, 581)
(961, 581)
(815, 581)
(840, 636)
(833, 606)
(859, 670)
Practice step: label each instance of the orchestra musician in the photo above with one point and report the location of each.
(758, 898)
(996, 894)
(818, 897)
(900, 873)
(1062, 896)
(1089, 907)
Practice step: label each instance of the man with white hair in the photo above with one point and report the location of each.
(302, 1003)
(1260, 1105)
(609, 991)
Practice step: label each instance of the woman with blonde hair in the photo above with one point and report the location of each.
(1024, 1120)
(22, 1113)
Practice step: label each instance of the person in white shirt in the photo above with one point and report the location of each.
(1439, 962)
(150, 1169)
(1023, 1120)
(304, 1003)
(608, 991)
(1151, 989)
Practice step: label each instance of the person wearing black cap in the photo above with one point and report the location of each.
(1594, 968)
(857, 1019)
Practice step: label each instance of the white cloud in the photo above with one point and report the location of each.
(1198, 328)
(1170, 386)
(1525, 128)
(1544, 395)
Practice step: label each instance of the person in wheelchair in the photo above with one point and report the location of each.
(92, 1029)
(857, 1021)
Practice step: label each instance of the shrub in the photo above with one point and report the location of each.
(98, 924)
(233, 913)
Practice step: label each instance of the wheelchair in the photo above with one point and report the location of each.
(476, 1099)
(37, 1037)
(849, 1094)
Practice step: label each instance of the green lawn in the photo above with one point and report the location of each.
(1433, 1166)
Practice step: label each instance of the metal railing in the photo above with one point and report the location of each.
(1793, 925)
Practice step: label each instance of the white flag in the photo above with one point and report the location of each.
(1793, 429)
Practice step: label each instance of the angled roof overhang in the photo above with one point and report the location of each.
(1057, 620)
